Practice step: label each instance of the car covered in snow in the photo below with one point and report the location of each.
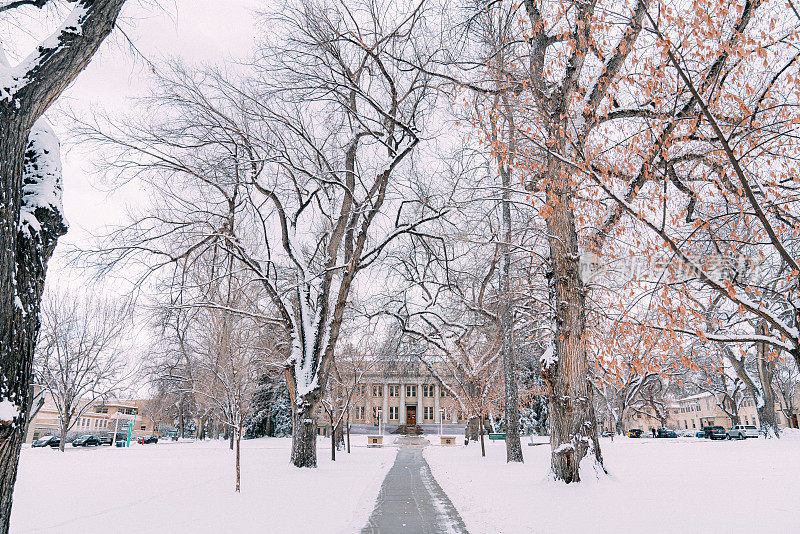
(743, 432)
(47, 441)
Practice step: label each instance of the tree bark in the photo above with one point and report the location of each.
(511, 401)
(24, 252)
(304, 438)
(766, 372)
(238, 448)
(572, 424)
(483, 445)
(333, 444)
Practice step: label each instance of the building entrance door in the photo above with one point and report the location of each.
(411, 415)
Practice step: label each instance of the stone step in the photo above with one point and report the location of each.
(409, 430)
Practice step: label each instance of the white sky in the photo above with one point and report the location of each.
(197, 31)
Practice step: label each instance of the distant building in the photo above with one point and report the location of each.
(100, 418)
(697, 411)
(404, 393)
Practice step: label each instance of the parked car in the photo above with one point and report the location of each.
(146, 440)
(716, 432)
(635, 433)
(743, 432)
(664, 433)
(607, 434)
(105, 440)
(700, 434)
(705, 431)
(47, 441)
(86, 441)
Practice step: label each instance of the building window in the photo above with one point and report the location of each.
(693, 424)
(745, 420)
(101, 409)
(377, 390)
(428, 390)
(143, 427)
(394, 413)
(394, 390)
(411, 390)
(363, 389)
(685, 425)
(707, 405)
(444, 392)
(428, 413)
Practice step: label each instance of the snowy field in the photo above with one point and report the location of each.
(189, 487)
(656, 485)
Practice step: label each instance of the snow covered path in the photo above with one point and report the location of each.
(411, 500)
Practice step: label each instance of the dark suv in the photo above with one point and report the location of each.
(715, 432)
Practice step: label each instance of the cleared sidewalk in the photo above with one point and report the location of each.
(410, 500)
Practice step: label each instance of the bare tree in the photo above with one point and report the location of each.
(80, 353)
(296, 174)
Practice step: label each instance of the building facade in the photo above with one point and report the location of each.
(101, 417)
(696, 411)
(400, 394)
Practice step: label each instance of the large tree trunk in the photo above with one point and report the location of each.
(472, 432)
(572, 425)
(304, 437)
(766, 372)
(181, 424)
(511, 400)
(25, 250)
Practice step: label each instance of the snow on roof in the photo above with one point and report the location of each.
(694, 397)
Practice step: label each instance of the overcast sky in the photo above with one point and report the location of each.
(197, 31)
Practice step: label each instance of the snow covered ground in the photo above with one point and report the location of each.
(656, 485)
(189, 487)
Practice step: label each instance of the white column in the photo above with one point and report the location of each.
(436, 393)
(402, 403)
(420, 419)
(385, 415)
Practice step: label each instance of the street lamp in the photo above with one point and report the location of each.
(441, 422)
(380, 421)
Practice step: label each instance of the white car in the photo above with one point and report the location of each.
(743, 432)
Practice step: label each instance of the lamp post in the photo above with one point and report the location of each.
(441, 422)
(380, 422)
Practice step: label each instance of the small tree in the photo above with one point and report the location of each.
(79, 356)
